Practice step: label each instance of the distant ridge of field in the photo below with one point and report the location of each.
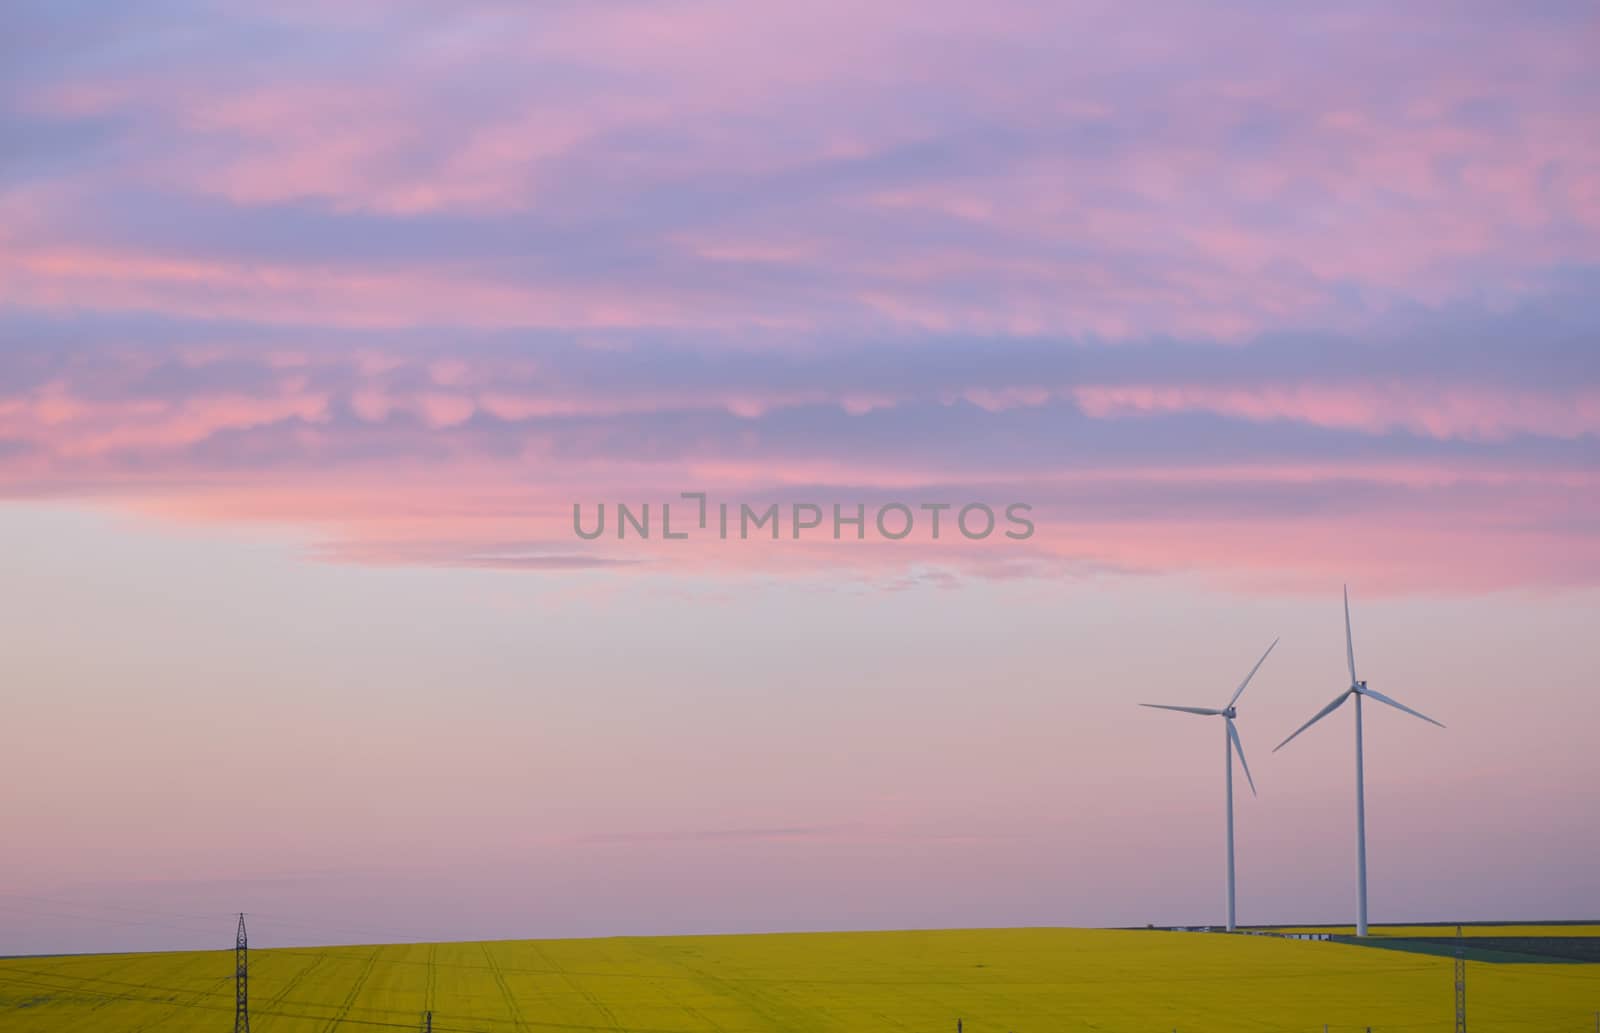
(1000, 980)
(1562, 942)
(1559, 927)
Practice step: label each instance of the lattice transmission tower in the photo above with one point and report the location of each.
(1461, 985)
(241, 980)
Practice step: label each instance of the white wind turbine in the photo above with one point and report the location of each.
(1231, 737)
(1357, 689)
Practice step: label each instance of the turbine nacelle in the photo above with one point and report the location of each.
(1357, 688)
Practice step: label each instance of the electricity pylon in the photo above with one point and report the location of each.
(241, 980)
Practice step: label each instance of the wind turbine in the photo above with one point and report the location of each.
(1231, 738)
(1357, 689)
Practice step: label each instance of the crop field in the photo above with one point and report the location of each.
(1021, 980)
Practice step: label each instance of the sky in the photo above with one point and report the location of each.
(319, 321)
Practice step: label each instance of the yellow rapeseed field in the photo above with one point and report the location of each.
(1021, 980)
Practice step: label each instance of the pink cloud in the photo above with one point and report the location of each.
(1484, 414)
(943, 260)
(73, 428)
(445, 410)
(1189, 231)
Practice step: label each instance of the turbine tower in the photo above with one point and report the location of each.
(1358, 689)
(1231, 742)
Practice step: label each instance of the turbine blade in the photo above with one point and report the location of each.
(1237, 745)
(1324, 712)
(1240, 690)
(1381, 698)
(1206, 711)
(1349, 640)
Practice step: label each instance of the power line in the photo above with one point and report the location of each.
(76, 906)
(100, 919)
(101, 906)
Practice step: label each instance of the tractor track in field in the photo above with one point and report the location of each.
(355, 991)
(594, 1002)
(779, 1013)
(113, 971)
(176, 1007)
(48, 985)
(53, 991)
(292, 984)
(703, 1018)
(513, 1008)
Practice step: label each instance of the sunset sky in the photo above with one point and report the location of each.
(317, 319)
